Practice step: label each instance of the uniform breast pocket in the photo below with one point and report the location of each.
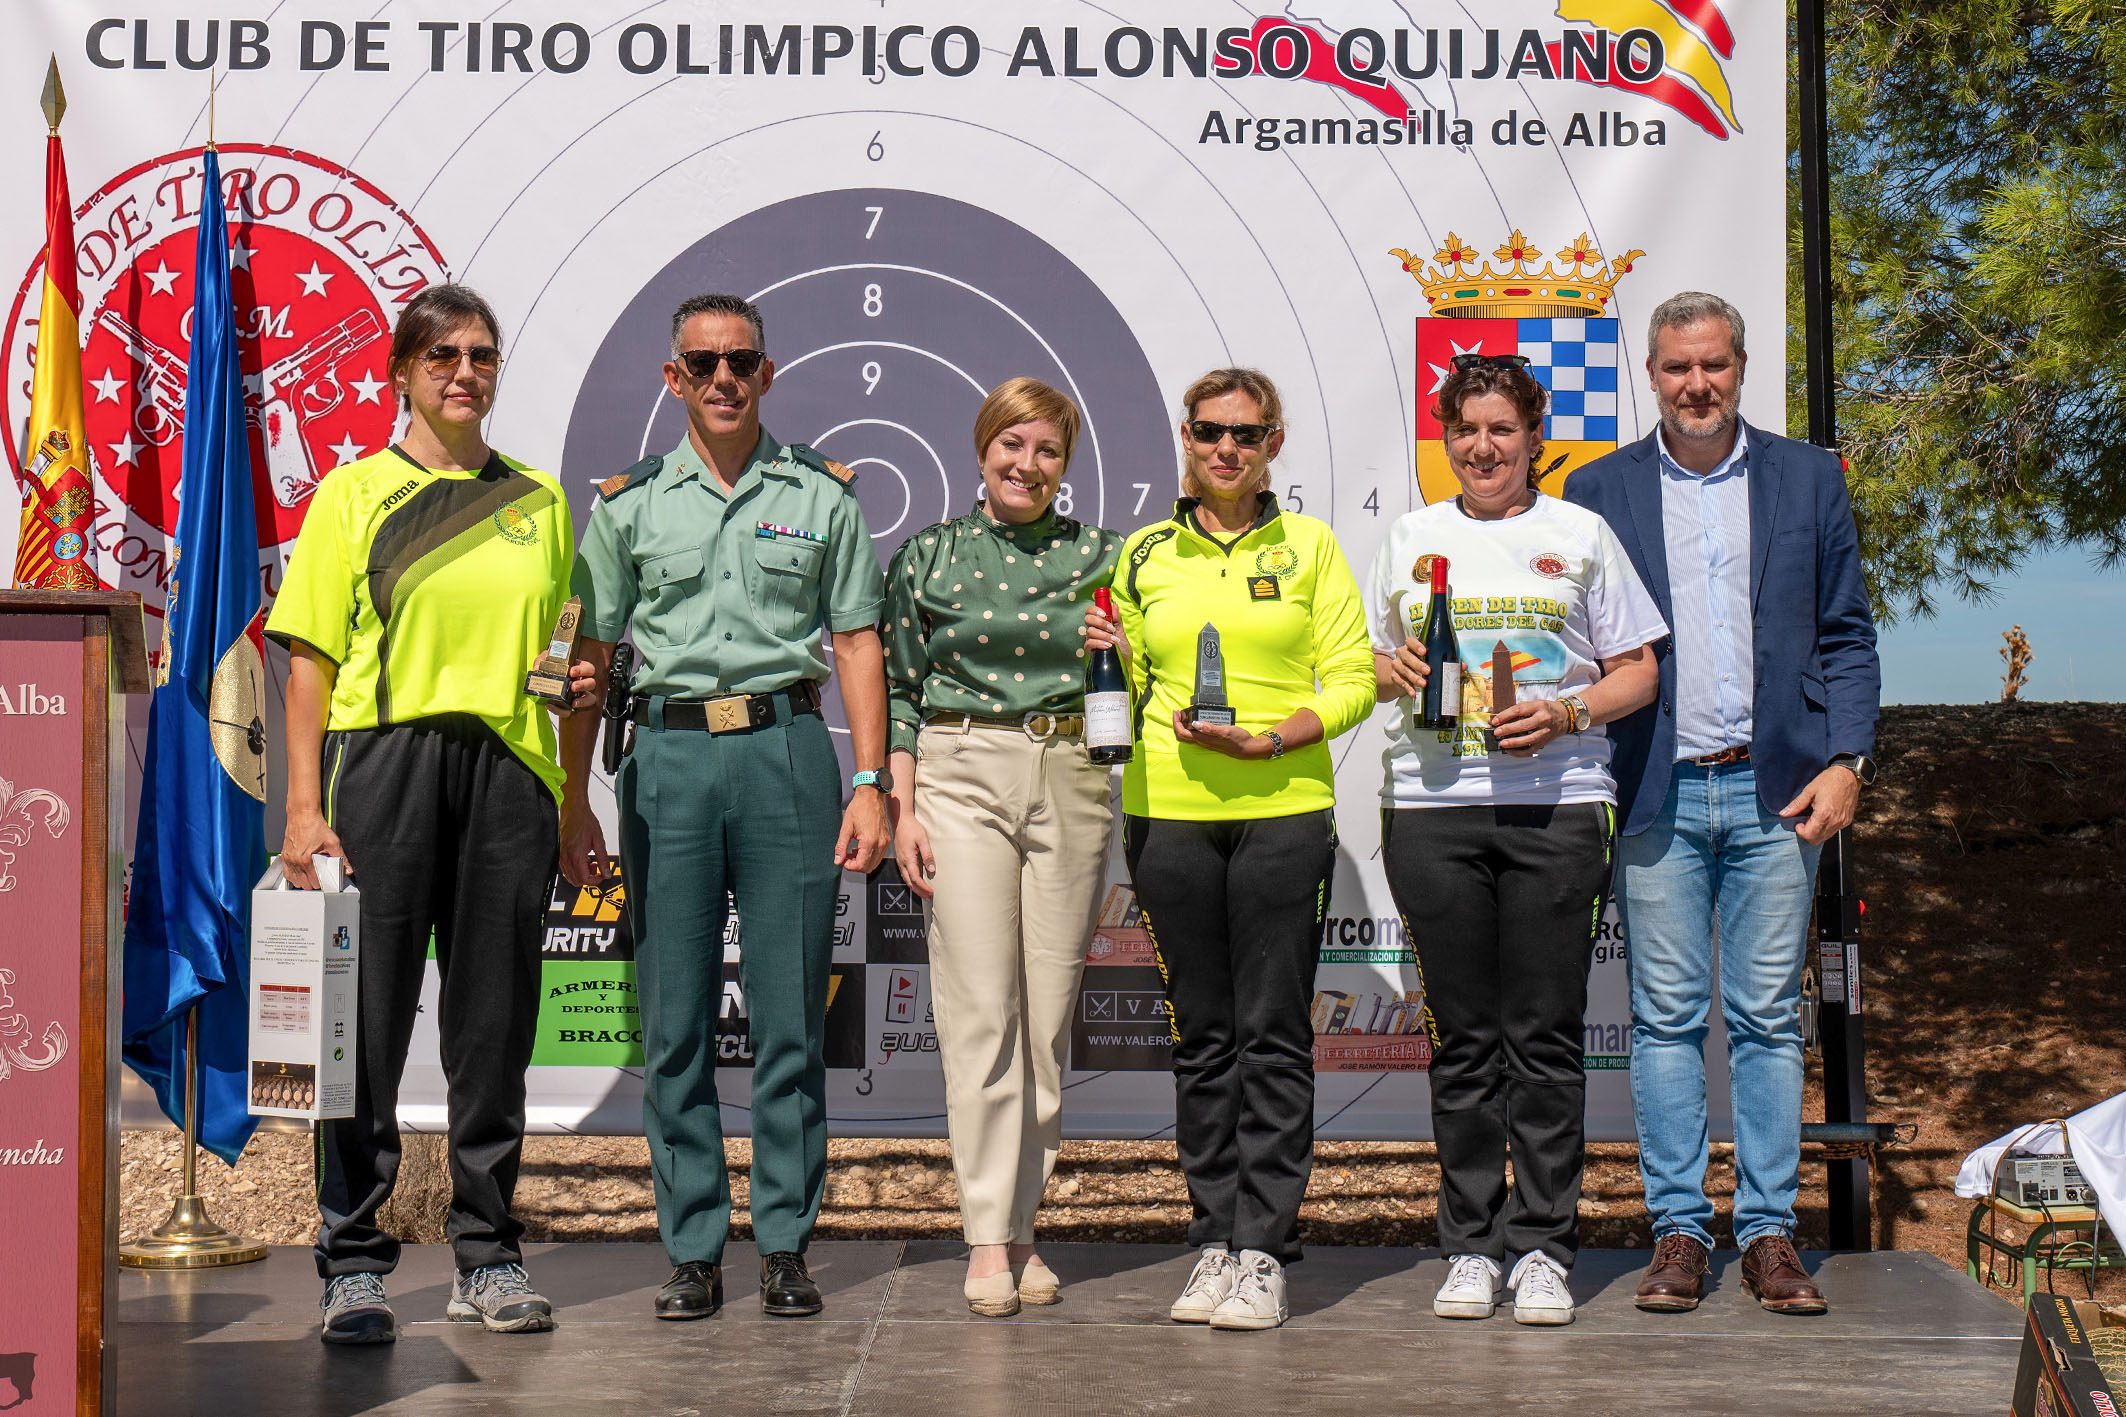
(671, 591)
(786, 584)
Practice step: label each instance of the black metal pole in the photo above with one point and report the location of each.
(1845, 1056)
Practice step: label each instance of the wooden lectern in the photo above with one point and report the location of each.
(65, 658)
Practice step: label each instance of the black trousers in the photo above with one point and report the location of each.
(446, 831)
(1235, 912)
(1500, 904)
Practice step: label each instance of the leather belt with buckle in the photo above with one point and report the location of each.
(1724, 756)
(732, 713)
(1034, 725)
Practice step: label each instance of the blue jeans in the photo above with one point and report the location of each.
(1716, 853)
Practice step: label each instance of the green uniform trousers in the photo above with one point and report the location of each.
(755, 814)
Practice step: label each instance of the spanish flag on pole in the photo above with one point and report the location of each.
(53, 552)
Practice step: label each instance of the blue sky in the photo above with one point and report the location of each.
(2073, 614)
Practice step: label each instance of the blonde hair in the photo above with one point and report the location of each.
(1219, 382)
(1024, 400)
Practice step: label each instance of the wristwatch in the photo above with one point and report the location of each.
(882, 779)
(1276, 742)
(1859, 764)
(1579, 718)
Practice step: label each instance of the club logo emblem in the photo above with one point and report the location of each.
(516, 525)
(320, 263)
(1279, 561)
(1548, 564)
(1421, 568)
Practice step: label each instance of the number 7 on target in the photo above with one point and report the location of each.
(876, 213)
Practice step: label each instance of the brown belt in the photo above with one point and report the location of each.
(732, 713)
(1725, 755)
(1033, 725)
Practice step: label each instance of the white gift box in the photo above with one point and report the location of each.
(305, 969)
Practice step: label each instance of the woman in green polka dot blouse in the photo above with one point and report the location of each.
(1001, 821)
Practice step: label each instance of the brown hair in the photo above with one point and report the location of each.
(1520, 389)
(1024, 400)
(1252, 382)
(427, 318)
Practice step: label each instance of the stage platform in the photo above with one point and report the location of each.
(1906, 1335)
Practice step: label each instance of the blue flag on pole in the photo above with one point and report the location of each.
(200, 843)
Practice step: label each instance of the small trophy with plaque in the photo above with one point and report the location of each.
(548, 679)
(1209, 705)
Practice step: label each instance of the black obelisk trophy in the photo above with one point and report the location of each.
(1209, 705)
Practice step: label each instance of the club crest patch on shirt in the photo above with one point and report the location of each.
(1421, 568)
(516, 525)
(1549, 564)
(1280, 561)
(1264, 588)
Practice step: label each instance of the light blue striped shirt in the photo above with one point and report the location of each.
(1707, 525)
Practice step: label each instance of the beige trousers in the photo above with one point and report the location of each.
(1019, 830)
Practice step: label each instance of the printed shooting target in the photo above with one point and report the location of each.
(890, 315)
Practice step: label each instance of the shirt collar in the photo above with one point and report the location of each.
(1044, 525)
(1736, 461)
(768, 455)
(1266, 511)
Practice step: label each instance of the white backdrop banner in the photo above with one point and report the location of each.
(925, 197)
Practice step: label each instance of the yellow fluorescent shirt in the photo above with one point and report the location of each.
(1292, 632)
(434, 592)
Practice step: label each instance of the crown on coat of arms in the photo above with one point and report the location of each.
(1452, 289)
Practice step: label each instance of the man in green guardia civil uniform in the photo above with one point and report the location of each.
(729, 556)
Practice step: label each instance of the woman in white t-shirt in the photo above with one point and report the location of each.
(1496, 834)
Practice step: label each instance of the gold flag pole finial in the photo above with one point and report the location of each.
(54, 101)
(213, 85)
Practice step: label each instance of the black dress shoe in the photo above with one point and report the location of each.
(694, 1291)
(786, 1290)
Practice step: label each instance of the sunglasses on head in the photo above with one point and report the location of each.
(1463, 363)
(443, 358)
(1247, 435)
(701, 363)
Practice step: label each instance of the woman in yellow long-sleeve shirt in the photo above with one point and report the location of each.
(1231, 831)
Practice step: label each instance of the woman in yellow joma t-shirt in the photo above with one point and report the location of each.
(1230, 831)
(424, 585)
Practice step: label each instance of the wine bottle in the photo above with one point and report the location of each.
(1441, 706)
(1107, 735)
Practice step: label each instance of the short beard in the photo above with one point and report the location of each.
(1672, 424)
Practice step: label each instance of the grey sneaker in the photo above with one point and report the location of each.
(501, 1297)
(355, 1311)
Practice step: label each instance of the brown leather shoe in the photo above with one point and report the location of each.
(1675, 1281)
(1772, 1273)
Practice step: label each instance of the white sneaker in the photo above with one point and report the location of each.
(1257, 1300)
(1472, 1288)
(1539, 1292)
(1208, 1285)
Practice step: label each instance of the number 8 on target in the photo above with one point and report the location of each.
(890, 387)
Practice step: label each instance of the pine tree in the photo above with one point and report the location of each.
(1978, 184)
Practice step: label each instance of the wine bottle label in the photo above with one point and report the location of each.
(1107, 720)
(1450, 688)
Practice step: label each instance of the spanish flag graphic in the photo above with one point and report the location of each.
(53, 552)
(1694, 38)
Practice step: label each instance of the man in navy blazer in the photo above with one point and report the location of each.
(1752, 756)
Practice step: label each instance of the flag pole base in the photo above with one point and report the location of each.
(189, 1239)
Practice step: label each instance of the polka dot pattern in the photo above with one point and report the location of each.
(1003, 583)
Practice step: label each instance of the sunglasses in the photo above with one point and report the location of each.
(1247, 435)
(1463, 363)
(443, 358)
(701, 363)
